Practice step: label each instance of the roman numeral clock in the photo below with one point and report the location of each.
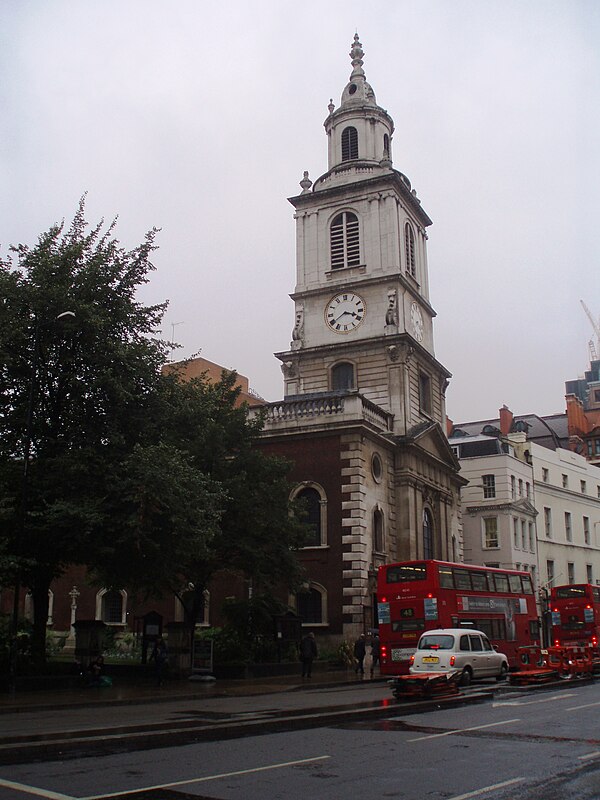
(345, 312)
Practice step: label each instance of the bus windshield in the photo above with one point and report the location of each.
(401, 573)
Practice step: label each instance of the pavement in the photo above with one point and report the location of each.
(73, 723)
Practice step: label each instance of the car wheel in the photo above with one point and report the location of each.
(503, 673)
(466, 677)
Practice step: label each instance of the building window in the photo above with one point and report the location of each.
(349, 144)
(489, 486)
(491, 538)
(342, 376)
(545, 475)
(312, 501)
(548, 522)
(524, 534)
(583, 487)
(568, 526)
(409, 249)
(586, 530)
(378, 543)
(311, 605)
(516, 532)
(597, 447)
(531, 538)
(111, 606)
(428, 549)
(513, 490)
(425, 392)
(589, 572)
(520, 487)
(550, 572)
(565, 481)
(345, 242)
(570, 572)
(528, 490)
(376, 467)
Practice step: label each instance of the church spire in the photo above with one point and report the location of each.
(357, 91)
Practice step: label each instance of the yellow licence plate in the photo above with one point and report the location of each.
(430, 659)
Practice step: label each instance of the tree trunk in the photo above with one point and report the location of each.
(39, 593)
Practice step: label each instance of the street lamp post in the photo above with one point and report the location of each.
(14, 628)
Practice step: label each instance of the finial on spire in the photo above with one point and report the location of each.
(306, 182)
(331, 106)
(356, 54)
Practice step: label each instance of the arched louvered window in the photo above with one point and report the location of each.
(427, 534)
(386, 146)
(409, 248)
(349, 144)
(345, 244)
(342, 376)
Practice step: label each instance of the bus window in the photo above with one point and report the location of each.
(491, 582)
(407, 572)
(479, 581)
(501, 582)
(596, 593)
(527, 585)
(445, 577)
(515, 584)
(567, 592)
(462, 579)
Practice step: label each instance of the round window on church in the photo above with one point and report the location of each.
(352, 88)
(376, 467)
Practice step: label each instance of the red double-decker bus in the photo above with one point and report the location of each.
(415, 596)
(575, 612)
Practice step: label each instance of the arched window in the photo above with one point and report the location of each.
(409, 249)
(386, 146)
(112, 606)
(345, 245)
(378, 544)
(311, 605)
(349, 144)
(310, 499)
(427, 534)
(188, 599)
(342, 376)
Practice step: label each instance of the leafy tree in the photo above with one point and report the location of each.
(255, 531)
(152, 482)
(74, 391)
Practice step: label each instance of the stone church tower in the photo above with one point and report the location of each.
(363, 416)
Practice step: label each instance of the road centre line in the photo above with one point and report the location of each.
(450, 733)
(501, 703)
(486, 789)
(587, 705)
(25, 789)
(198, 780)
(588, 756)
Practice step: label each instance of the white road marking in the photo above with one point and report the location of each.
(587, 705)
(485, 789)
(198, 780)
(25, 789)
(500, 703)
(587, 756)
(462, 730)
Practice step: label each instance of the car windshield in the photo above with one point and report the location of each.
(436, 642)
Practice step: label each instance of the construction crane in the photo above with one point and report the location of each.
(594, 346)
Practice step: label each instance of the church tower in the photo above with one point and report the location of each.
(363, 415)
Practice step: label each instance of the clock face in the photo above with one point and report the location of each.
(416, 319)
(345, 312)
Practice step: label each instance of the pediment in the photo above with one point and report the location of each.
(429, 438)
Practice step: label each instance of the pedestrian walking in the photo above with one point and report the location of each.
(308, 651)
(360, 649)
(375, 650)
(159, 655)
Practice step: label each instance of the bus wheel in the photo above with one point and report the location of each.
(503, 673)
(465, 678)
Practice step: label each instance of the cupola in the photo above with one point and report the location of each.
(359, 131)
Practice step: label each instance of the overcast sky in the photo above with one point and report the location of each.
(199, 118)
